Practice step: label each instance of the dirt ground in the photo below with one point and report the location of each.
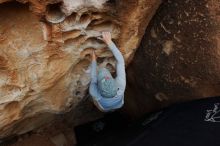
(54, 134)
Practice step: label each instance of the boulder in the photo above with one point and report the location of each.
(45, 54)
(178, 59)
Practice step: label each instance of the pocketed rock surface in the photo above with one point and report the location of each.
(45, 54)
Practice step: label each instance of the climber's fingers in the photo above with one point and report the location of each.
(93, 55)
(107, 37)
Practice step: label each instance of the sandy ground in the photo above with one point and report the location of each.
(55, 134)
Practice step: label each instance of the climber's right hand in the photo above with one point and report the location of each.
(107, 38)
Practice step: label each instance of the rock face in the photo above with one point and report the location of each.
(45, 53)
(178, 59)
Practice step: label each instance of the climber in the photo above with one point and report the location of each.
(108, 93)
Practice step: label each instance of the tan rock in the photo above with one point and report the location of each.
(45, 53)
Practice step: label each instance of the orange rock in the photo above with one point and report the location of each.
(44, 53)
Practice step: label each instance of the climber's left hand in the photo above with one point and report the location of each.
(93, 55)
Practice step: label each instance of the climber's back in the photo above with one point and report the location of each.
(107, 92)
